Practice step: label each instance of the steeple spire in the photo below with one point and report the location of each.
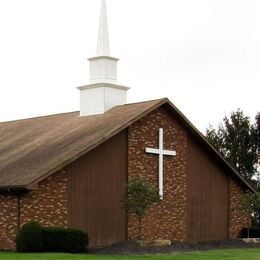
(103, 48)
(103, 92)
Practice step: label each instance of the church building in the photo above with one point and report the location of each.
(70, 170)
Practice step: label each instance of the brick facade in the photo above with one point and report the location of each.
(237, 218)
(8, 221)
(47, 204)
(167, 218)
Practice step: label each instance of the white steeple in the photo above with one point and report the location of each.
(103, 48)
(103, 92)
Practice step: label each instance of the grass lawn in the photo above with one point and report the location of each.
(236, 254)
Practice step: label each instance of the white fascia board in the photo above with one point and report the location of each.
(103, 57)
(105, 84)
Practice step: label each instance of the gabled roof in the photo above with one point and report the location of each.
(32, 149)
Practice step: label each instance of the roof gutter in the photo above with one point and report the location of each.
(13, 188)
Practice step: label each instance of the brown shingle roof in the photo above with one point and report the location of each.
(32, 149)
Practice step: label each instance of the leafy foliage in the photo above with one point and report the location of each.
(238, 141)
(64, 240)
(257, 134)
(29, 238)
(139, 197)
(34, 238)
(251, 203)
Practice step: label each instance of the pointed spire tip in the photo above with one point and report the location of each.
(103, 48)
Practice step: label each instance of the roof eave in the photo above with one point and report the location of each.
(13, 188)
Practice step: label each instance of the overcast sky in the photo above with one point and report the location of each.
(203, 55)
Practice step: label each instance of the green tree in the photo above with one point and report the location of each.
(139, 197)
(236, 139)
(257, 134)
(251, 203)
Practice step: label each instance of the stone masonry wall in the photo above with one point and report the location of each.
(167, 218)
(237, 218)
(47, 204)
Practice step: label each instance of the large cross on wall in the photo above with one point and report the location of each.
(160, 152)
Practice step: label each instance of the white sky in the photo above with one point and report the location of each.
(203, 55)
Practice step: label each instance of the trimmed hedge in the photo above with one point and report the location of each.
(29, 238)
(252, 232)
(34, 238)
(64, 240)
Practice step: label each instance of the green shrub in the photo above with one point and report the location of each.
(252, 232)
(29, 238)
(34, 238)
(64, 240)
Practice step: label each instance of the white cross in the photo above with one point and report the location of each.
(161, 153)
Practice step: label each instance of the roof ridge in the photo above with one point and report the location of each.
(147, 101)
(63, 113)
(35, 117)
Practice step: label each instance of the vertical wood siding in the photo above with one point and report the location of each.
(95, 187)
(208, 196)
